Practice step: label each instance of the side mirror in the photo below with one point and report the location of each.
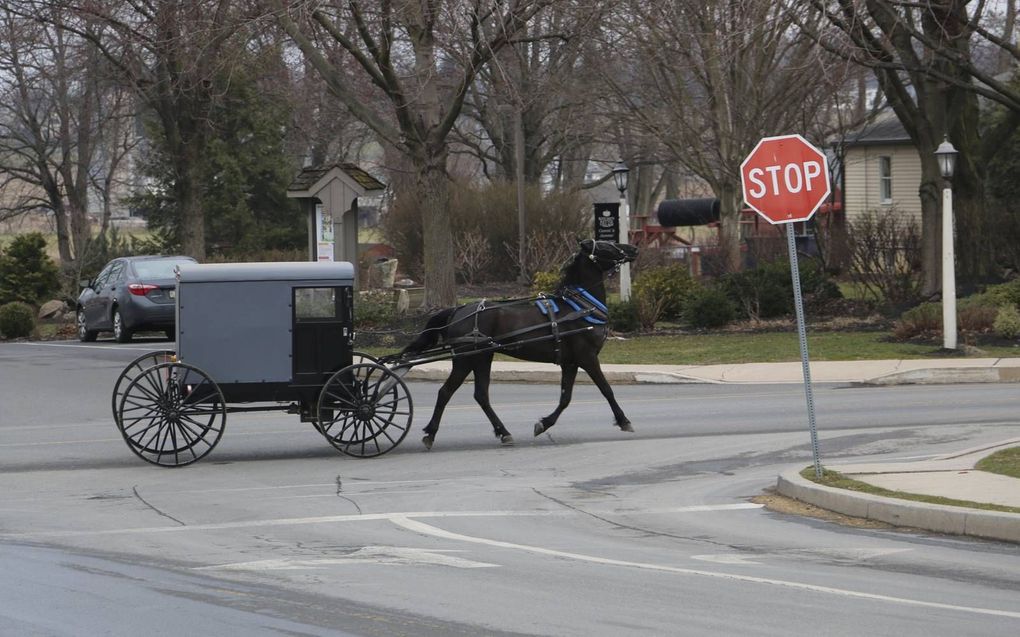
(85, 283)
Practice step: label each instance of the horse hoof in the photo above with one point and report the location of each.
(540, 428)
(625, 426)
(427, 441)
(507, 440)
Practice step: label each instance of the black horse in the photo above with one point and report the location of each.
(575, 319)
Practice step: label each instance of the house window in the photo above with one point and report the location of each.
(885, 179)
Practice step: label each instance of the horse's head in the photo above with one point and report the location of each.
(606, 255)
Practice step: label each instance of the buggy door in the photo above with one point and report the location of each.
(323, 336)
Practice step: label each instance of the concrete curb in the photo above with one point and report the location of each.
(948, 375)
(992, 525)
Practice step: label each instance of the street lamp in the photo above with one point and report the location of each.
(946, 156)
(620, 175)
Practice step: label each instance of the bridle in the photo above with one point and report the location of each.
(621, 257)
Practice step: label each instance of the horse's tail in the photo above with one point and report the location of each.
(434, 328)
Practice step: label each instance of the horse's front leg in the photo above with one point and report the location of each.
(483, 374)
(595, 372)
(566, 391)
(453, 382)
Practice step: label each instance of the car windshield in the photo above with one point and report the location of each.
(158, 268)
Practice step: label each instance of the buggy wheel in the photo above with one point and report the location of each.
(172, 414)
(364, 410)
(357, 358)
(134, 368)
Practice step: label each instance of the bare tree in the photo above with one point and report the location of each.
(401, 50)
(57, 104)
(546, 82)
(922, 56)
(176, 56)
(705, 81)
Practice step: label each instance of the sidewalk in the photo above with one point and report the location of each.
(888, 372)
(950, 476)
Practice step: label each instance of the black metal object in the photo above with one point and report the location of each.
(172, 414)
(136, 367)
(365, 410)
(687, 212)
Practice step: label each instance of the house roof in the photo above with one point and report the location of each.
(884, 131)
(311, 175)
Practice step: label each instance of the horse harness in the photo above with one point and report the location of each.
(583, 306)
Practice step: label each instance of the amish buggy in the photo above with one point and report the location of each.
(280, 336)
(260, 337)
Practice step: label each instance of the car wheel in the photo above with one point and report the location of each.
(120, 331)
(85, 335)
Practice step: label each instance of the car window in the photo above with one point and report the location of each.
(102, 277)
(158, 268)
(117, 273)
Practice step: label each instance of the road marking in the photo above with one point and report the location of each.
(727, 558)
(427, 529)
(841, 554)
(370, 517)
(378, 555)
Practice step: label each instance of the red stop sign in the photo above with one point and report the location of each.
(785, 179)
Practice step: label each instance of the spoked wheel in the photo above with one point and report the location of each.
(358, 358)
(364, 410)
(172, 414)
(134, 368)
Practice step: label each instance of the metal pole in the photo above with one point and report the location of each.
(948, 271)
(625, 238)
(522, 234)
(798, 302)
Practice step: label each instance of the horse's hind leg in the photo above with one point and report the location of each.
(566, 391)
(483, 372)
(595, 372)
(461, 369)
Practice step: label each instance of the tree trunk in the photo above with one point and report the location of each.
(930, 193)
(729, 223)
(433, 186)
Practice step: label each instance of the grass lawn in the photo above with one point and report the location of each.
(770, 347)
(839, 481)
(764, 347)
(1005, 462)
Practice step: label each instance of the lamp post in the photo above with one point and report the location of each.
(620, 175)
(946, 156)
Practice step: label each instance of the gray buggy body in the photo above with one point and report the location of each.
(265, 330)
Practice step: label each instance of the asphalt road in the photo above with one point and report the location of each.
(585, 531)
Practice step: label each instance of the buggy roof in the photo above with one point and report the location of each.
(283, 271)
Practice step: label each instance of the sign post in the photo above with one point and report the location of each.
(784, 180)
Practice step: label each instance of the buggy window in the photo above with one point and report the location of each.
(314, 303)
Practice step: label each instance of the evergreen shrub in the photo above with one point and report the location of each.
(1007, 322)
(17, 320)
(26, 272)
(708, 308)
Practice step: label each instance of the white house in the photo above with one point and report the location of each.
(882, 170)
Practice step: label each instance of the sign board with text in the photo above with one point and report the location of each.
(607, 222)
(785, 179)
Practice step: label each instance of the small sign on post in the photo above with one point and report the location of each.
(607, 222)
(785, 179)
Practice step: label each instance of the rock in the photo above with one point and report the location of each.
(52, 309)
